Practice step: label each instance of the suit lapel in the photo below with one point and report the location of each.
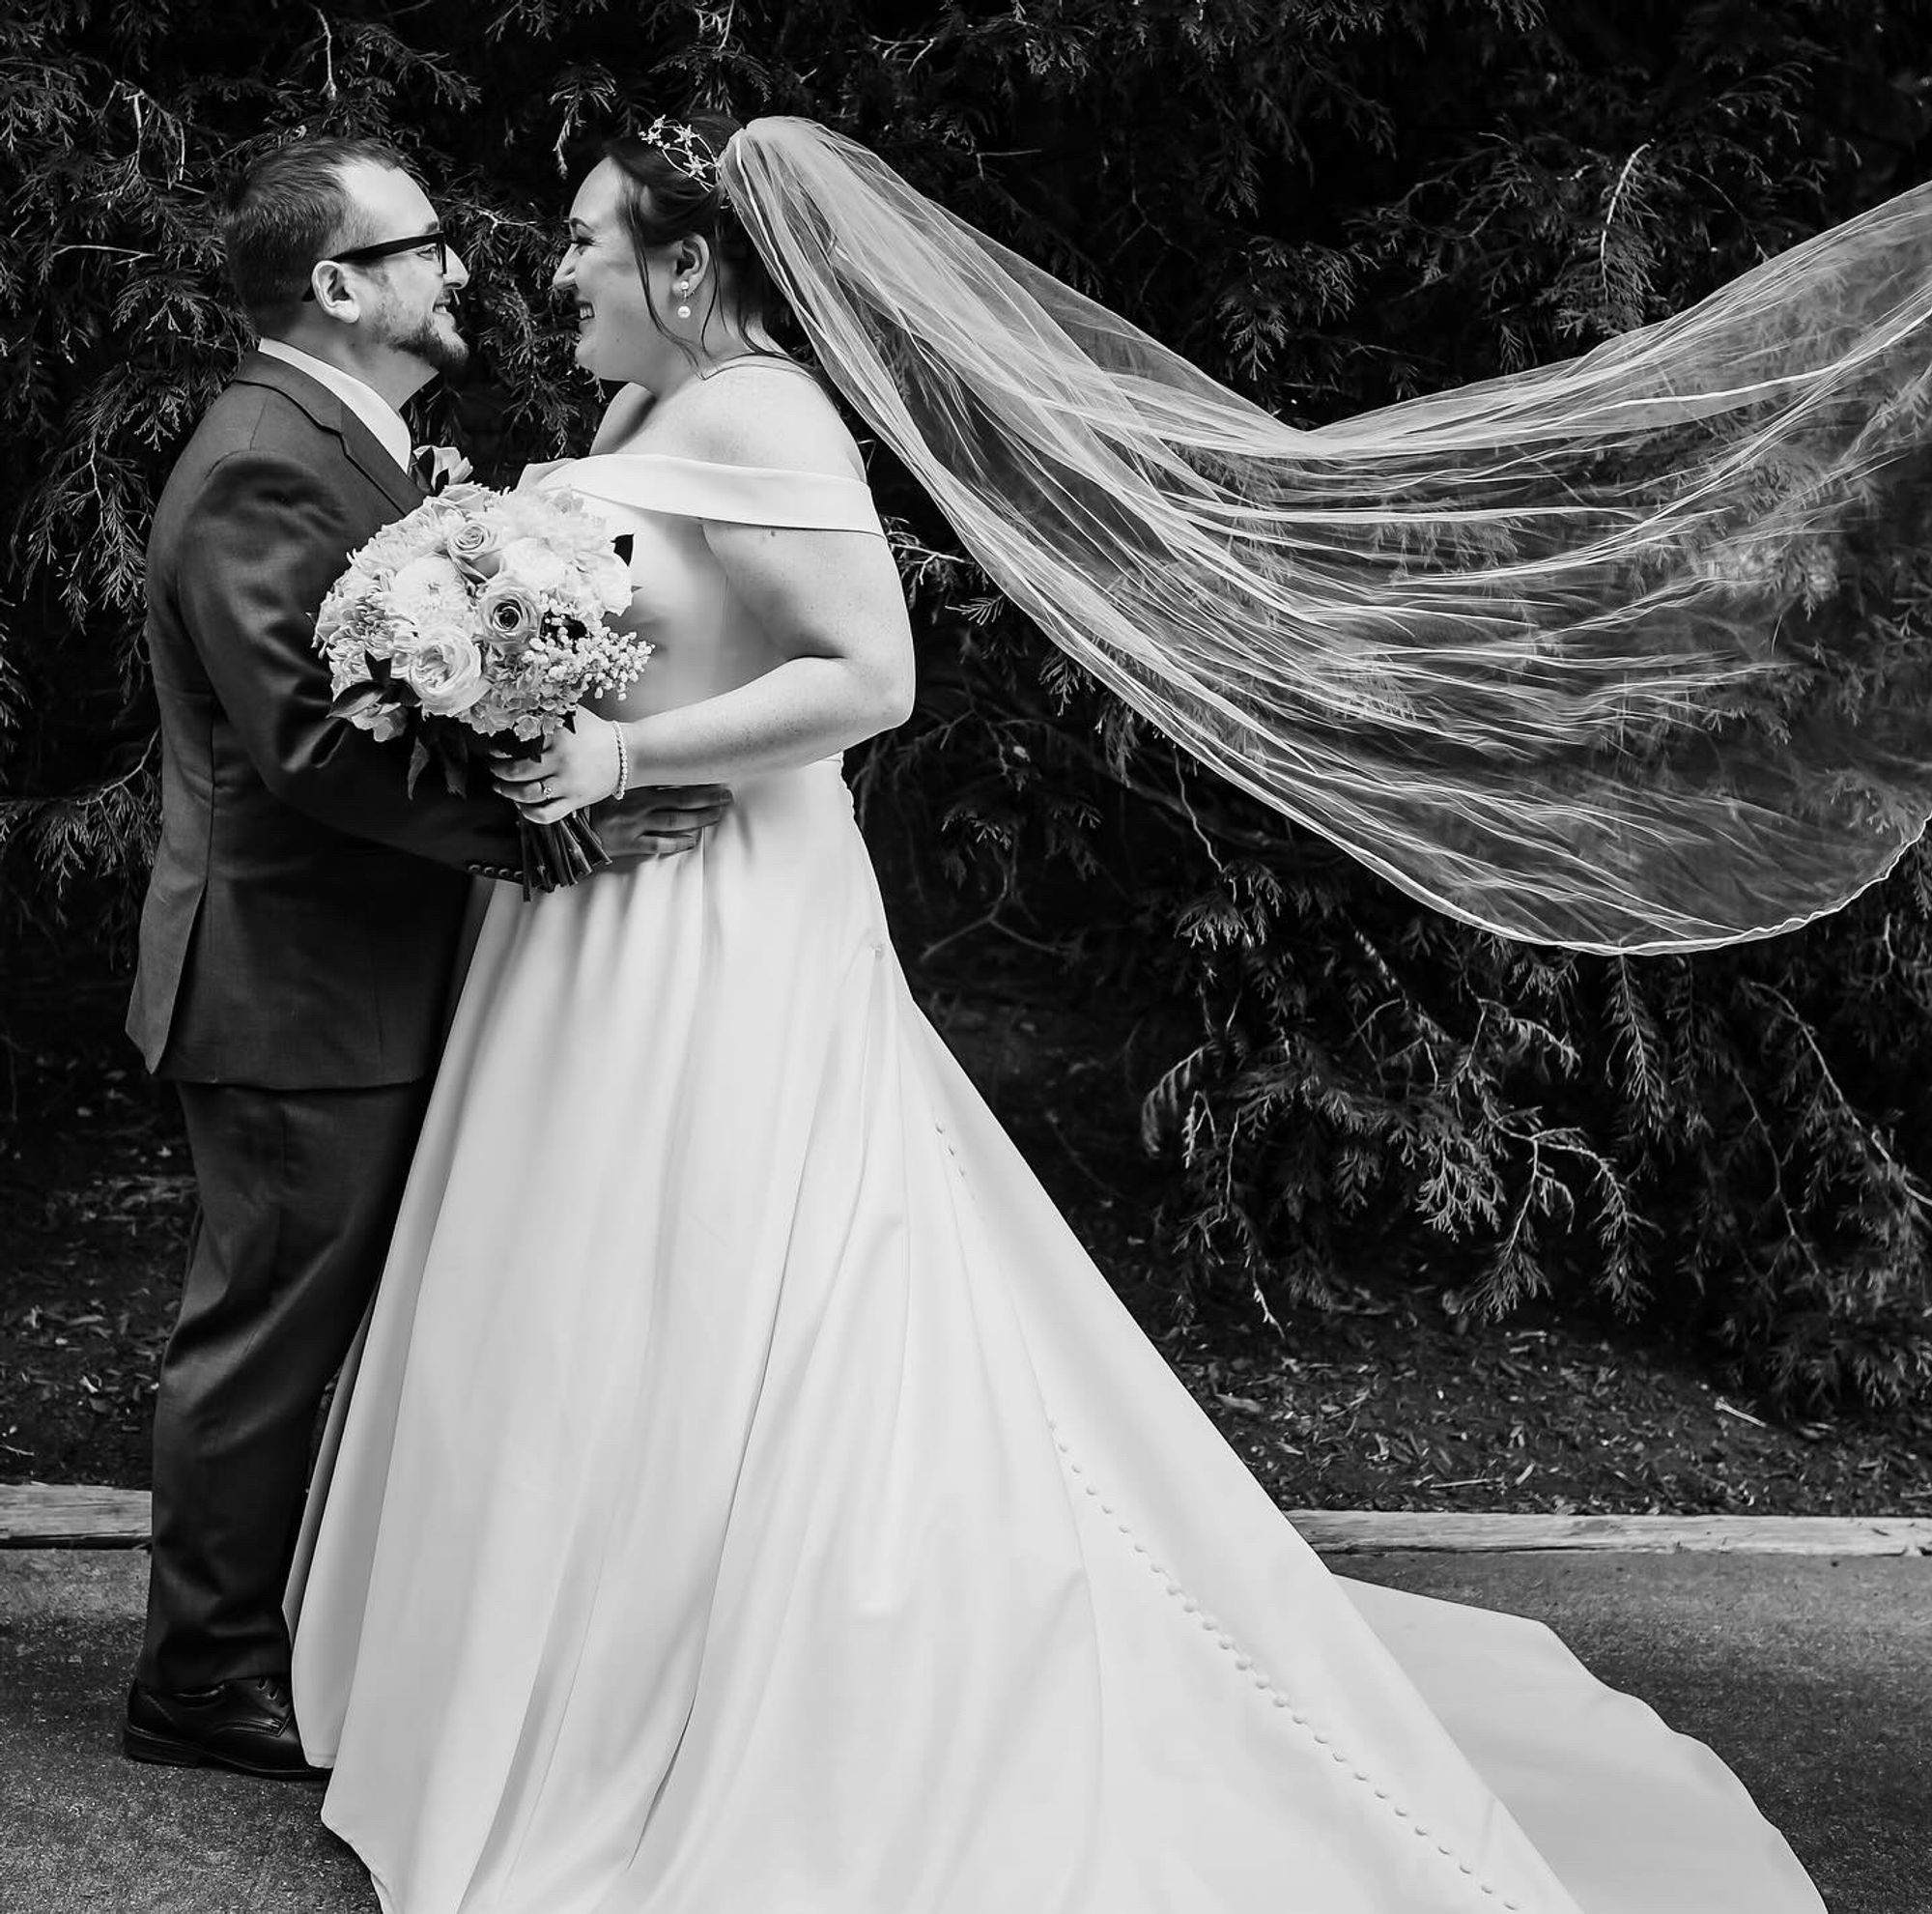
(362, 448)
(366, 454)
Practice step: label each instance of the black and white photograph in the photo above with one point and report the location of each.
(966, 960)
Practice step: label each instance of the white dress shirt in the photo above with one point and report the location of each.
(364, 401)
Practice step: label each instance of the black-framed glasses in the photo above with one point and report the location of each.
(387, 249)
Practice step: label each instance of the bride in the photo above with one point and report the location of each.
(750, 1498)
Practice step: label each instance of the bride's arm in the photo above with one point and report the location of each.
(830, 602)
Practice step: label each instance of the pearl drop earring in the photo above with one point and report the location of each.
(683, 311)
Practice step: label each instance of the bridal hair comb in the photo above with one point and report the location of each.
(682, 147)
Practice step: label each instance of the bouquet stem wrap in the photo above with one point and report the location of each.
(558, 854)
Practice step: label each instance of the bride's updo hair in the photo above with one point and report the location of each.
(664, 199)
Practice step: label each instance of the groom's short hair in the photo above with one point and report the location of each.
(286, 210)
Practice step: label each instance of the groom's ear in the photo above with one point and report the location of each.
(335, 295)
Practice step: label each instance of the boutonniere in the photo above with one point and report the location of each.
(434, 467)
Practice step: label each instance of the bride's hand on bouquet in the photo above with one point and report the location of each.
(578, 769)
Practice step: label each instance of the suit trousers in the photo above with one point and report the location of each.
(298, 1190)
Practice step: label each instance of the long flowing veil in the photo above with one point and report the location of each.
(1626, 654)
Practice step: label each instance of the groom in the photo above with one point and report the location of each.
(305, 918)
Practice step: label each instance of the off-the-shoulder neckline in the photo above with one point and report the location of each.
(709, 465)
(695, 488)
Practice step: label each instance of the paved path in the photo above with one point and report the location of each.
(1811, 1676)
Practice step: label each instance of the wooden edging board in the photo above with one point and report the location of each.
(41, 1516)
(38, 1516)
(1358, 1531)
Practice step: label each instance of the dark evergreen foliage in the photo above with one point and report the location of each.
(1330, 203)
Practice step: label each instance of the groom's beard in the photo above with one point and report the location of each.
(435, 346)
(431, 340)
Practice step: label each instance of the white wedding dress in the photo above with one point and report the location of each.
(751, 1498)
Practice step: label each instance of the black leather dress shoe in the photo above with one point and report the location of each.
(248, 1724)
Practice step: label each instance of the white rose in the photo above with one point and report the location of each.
(475, 545)
(445, 671)
(510, 613)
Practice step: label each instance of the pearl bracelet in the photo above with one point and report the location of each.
(623, 764)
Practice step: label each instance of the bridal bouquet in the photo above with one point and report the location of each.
(482, 620)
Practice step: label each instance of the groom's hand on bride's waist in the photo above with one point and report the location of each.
(658, 822)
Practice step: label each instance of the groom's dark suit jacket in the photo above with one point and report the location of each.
(303, 920)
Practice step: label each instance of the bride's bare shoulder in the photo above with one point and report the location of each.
(772, 414)
(622, 417)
